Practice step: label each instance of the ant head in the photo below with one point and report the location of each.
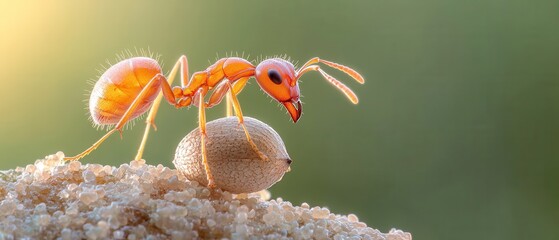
(277, 77)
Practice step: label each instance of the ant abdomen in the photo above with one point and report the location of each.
(117, 88)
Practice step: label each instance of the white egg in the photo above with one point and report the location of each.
(234, 165)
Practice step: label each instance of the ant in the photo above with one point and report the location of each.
(130, 87)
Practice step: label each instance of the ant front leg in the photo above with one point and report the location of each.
(150, 120)
(239, 113)
(222, 90)
(231, 90)
(237, 88)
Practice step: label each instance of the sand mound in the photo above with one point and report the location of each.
(51, 199)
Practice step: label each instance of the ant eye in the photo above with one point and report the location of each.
(274, 76)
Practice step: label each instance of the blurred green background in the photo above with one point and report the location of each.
(456, 135)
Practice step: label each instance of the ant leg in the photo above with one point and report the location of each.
(239, 113)
(239, 85)
(202, 123)
(237, 88)
(126, 117)
(222, 90)
(150, 120)
(228, 105)
(218, 93)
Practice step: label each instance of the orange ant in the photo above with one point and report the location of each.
(130, 87)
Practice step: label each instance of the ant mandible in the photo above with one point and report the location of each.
(128, 88)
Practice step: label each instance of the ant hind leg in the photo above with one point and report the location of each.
(150, 120)
(127, 115)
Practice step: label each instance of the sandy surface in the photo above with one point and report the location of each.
(54, 200)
